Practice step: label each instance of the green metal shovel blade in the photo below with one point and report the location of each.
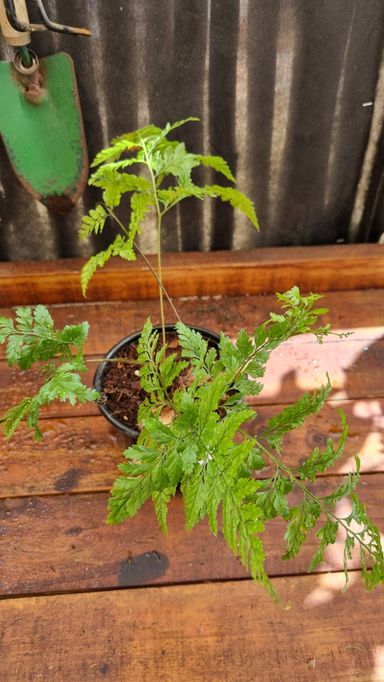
(43, 134)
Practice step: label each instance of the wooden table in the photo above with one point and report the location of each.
(86, 601)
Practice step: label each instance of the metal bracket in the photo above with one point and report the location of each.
(59, 28)
(26, 27)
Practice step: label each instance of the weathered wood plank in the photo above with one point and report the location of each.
(209, 633)
(301, 362)
(82, 453)
(354, 366)
(360, 311)
(61, 543)
(232, 272)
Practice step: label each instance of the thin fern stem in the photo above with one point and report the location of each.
(160, 283)
(324, 507)
(158, 228)
(146, 261)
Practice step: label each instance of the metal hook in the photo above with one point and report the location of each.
(15, 22)
(59, 28)
(23, 27)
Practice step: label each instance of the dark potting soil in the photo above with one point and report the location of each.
(121, 392)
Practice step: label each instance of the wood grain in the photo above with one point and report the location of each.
(189, 274)
(53, 535)
(74, 549)
(354, 366)
(359, 311)
(202, 633)
(81, 454)
(354, 363)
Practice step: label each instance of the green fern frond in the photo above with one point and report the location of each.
(293, 416)
(136, 137)
(119, 247)
(172, 126)
(236, 198)
(218, 164)
(141, 203)
(116, 184)
(118, 147)
(173, 195)
(93, 222)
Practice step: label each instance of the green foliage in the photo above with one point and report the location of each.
(326, 536)
(293, 417)
(32, 338)
(94, 222)
(157, 369)
(163, 180)
(301, 519)
(193, 435)
(193, 420)
(237, 199)
(119, 247)
(367, 538)
(207, 453)
(320, 461)
(218, 164)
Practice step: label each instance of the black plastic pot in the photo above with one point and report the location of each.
(114, 352)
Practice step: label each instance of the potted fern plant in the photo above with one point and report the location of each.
(193, 409)
(162, 182)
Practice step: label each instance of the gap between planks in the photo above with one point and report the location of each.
(73, 547)
(160, 585)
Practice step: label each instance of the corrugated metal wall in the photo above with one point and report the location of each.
(291, 92)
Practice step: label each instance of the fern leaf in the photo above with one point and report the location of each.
(33, 337)
(65, 385)
(112, 153)
(194, 346)
(140, 205)
(326, 536)
(116, 184)
(127, 496)
(173, 195)
(172, 126)
(320, 461)
(93, 222)
(345, 489)
(119, 247)
(218, 164)
(236, 198)
(214, 497)
(210, 395)
(14, 416)
(136, 137)
(24, 319)
(244, 345)
(294, 416)
(301, 518)
(6, 328)
(194, 497)
(143, 475)
(116, 166)
(161, 500)
(175, 160)
(188, 456)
